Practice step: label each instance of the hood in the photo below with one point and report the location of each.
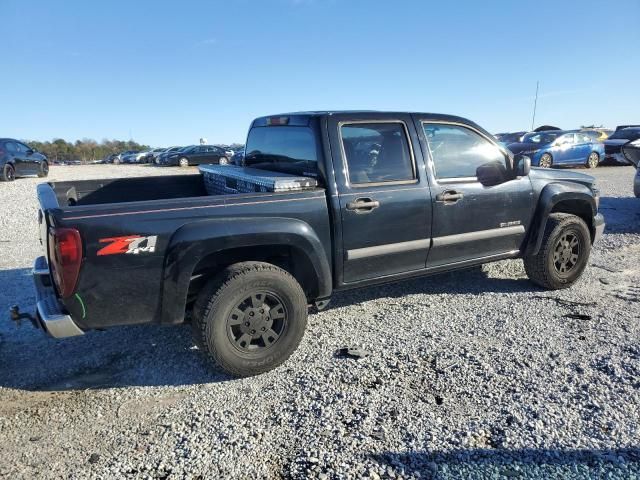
(616, 141)
(549, 174)
(524, 147)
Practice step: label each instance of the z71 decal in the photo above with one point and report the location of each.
(134, 244)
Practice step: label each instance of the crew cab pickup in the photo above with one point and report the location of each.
(395, 195)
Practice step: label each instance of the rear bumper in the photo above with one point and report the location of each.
(598, 227)
(50, 313)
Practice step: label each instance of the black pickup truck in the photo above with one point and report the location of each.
(396, 195)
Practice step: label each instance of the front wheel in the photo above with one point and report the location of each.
(223, 161)
(593, 160)
(8, 173)
(563, 255)
(250, 318)
(183, 162)
(44, 170)
(546, 161)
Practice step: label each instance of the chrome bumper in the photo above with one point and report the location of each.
(49, 311)
(598, 223)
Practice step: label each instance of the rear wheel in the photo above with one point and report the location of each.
(250, 318)
(8, 173)
(183, 162)
(546, 161)
(44, 170)
(563, 255)
(223, 161)
(593, 160)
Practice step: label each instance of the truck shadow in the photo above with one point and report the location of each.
(475, 280)
(523, 463)
(124, 356)
(621, 214)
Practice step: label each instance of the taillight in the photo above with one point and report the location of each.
(65, 255)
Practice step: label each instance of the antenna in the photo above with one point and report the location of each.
(535, 104)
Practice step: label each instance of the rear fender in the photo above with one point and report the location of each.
(560, 197)
(197, 240)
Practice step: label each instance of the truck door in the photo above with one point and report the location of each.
(471, 221)
(384, 196)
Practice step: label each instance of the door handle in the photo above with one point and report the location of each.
(363, 205)
(450, 196)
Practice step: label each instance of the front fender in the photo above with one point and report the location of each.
(552, 195)
(194, 241)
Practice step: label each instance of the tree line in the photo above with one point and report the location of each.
(84, 150)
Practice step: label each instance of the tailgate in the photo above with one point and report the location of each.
(48, 201)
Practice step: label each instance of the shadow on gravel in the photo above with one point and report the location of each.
(470, 281)
(525, 463)
(621, 214)
(127, 356)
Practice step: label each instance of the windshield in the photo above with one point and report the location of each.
(541, 137)
(283, 149)
(626, 134)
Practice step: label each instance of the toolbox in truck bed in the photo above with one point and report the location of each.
(224, 179)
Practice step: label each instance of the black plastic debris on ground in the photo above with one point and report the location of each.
(351, 352)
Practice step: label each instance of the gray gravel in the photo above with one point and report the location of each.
(475, 374)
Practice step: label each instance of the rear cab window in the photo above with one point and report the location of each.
(292, 149)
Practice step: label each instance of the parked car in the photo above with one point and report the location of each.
(227, 151)
(636, 182)
(598, 134)
(134, 157)
(560, 147)
(244, 267)
(237, 158)
(18, 160)
(163, 157)
(152, 155)
(198, 154)
(110, 158)
(613, 145)
(119, 157)
(508, 138)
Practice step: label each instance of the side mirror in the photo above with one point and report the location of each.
(30, 152)
(522, 165)
(492, 173)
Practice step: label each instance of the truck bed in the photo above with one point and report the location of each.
(120, 190)
(183, 223)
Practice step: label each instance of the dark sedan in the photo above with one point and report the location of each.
(613, 145)
(198, 154)
(18, 159)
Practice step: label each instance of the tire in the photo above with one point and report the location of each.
(44, 170)
(183, 162)
(557, 250)
(593, 160)
(227, 319)
(116, 161)
(8, 173)
(546, 161)
(223, 161)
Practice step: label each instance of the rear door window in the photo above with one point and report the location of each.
(377, 152)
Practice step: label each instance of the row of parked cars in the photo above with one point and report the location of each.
(178, 156)
(548, 146)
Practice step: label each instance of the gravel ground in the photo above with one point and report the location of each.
(475, 374)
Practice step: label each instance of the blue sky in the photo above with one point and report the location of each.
(170, 73)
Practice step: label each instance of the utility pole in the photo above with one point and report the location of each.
(535, 104)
